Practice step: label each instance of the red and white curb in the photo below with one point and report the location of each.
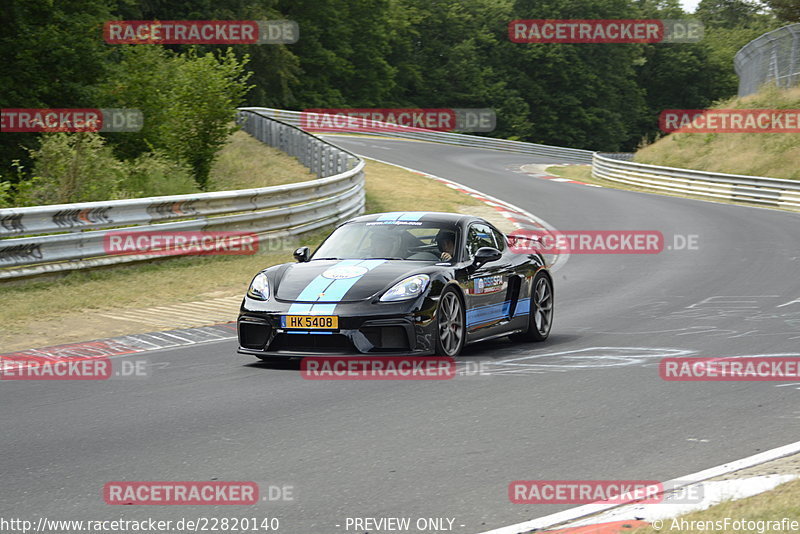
(598, 514)
(132, 344)
(117, 346)
(537, 170)
(564, 180)
(709, 492)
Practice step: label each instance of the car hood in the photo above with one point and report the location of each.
(342, 280)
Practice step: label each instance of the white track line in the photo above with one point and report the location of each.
(572, 514)
(702, 496)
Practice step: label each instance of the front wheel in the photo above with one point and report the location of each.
(450, 324)
(540, 319)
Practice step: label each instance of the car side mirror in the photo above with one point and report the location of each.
(486, 255)
(302, 254)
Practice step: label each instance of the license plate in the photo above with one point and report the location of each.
(310, 322)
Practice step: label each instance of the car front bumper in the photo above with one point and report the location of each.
(364, 328)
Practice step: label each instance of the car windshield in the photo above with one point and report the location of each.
(419, 241)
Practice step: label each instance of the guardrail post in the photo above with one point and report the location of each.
(323, 163)
(315, 159)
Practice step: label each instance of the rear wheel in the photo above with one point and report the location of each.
(451, 324)
(540, 320)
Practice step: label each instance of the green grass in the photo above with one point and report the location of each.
(581, 173)
(73, 300)
(776, 155)
(783, 501)
(390, 188)
(245, 162)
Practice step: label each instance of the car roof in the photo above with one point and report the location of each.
(456, 219)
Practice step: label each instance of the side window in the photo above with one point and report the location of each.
(500, 239)
(479, 235)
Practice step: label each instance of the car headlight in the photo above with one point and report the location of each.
(411, 287)
(259, 287)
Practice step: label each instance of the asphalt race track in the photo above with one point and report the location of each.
(587, 404)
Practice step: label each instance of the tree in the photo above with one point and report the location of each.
(579, 95)
(141, 79)
(341, 53)
(786, 10)
(727, 13)
(275, 67)
(204, 95)
(188, 100)
(53, 55)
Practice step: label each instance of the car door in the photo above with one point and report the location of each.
(518, 274)
(487, 286)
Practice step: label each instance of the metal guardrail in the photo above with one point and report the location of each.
(270, 212)
(616, 167)
(274, 212)
(567, 155)
(734, 187)
(773, 57)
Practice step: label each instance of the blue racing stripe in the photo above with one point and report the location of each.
(334, 290)
(314, 288)
(485, 314)
(393, 216)
(307, 332)
(339, 288)
(412, 215)
(300, 308)
(494, 312)
(322, 309)
(311, 292)
(523, 307)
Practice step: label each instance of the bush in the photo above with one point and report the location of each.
(154, 174)
(81, 168)
(6, 195)
(71, 168)
(204, 97)
(188, 102)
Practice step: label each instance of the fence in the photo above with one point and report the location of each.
(561, 154)
(35, 239)
(616, 167)
(733, 187)
(71, 236)
(773, 57)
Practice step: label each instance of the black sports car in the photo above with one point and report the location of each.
(398, 283)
